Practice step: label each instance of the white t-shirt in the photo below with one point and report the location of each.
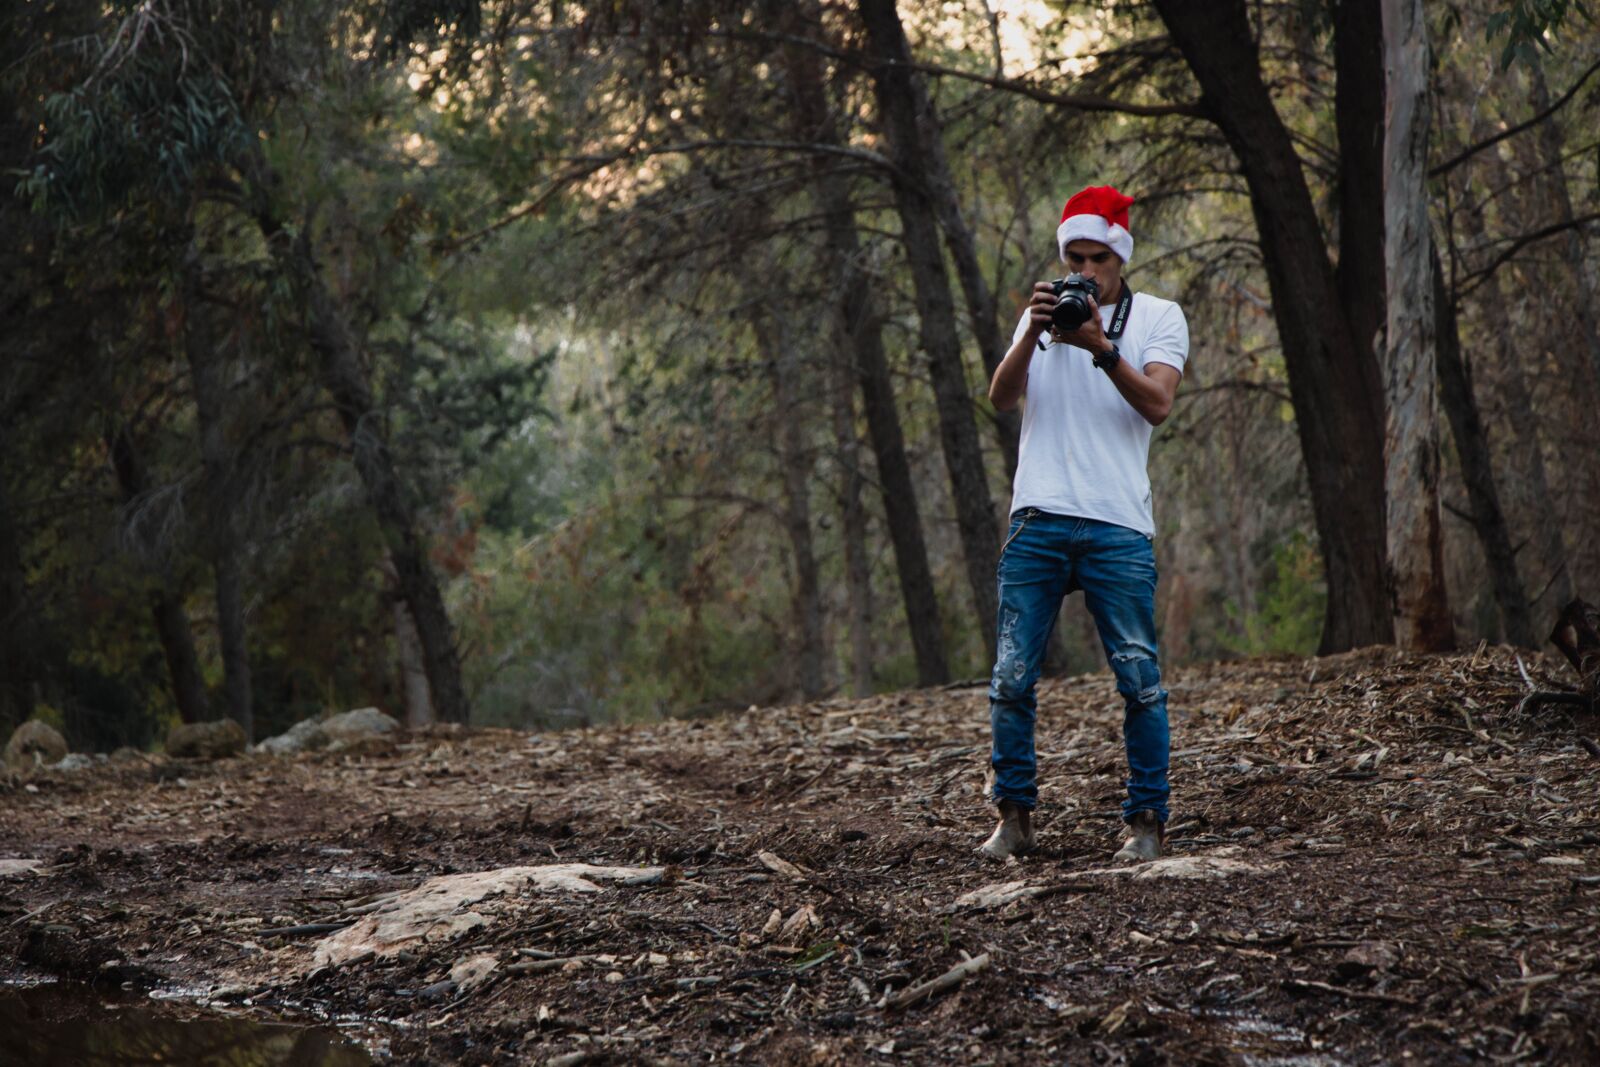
(1084, 447)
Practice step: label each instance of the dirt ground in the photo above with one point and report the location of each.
(1381, 861)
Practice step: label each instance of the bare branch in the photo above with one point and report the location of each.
(1481, 275)
(1078, 101)
(1472, 150)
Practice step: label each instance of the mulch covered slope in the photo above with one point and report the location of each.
(1388, 862)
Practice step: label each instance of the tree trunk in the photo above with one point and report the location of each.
(796, 470)
(1552, 145)
(941, 191)
(919, 225)
(858, 325)
(852, 518)
(413, 671)
(1477, 470)
(1358, 110)
(19, 629)
(345, 378)
(1411, 433)
(222, 535)
(166, 606)
(1529, 488)
(1580, 361)
(1333, 382)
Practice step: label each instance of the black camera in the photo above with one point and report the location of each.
(1072, 302)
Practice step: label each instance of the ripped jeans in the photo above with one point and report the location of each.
(1046, 557)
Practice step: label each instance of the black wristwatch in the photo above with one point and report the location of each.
(1107, 361)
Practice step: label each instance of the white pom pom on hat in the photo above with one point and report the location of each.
(1098, 213)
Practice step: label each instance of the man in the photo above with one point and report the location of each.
(1080, 513)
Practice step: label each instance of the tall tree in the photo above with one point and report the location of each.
(1333, 378)
(166, 595)
(345, 377)
(1576, 348)
(1459, 401)
(1411, 436)
(205, 357)
(858, 327)
(794, 460)
(1530, 493)
(900, 109)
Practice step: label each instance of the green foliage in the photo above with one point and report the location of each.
(1288, 617)
(1526, 24)
(155, 113)
(50, 716)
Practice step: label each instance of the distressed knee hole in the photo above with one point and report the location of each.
(1136, 667)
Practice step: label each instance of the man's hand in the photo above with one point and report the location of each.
(1040, 308)
(1091, 335)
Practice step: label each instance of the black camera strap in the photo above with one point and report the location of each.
(1119, 320)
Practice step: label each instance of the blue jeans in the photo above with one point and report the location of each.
(1046, 557)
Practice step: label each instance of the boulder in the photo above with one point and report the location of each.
(206, 740)
(303, 736)
(33, 744)
(351, 729)
(357, 725)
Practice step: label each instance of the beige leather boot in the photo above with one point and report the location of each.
(1148, 835)
(1013, 835)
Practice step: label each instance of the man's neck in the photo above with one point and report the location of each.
(1112, 295)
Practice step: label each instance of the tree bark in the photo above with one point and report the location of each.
(166, 604)
(222, 536)
(1477, 469)
(858, 325)
(903, 128)
(1334, 383)
(1411, 432)
(795, 463)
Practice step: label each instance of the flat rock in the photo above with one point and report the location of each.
(438, 909)
(34, 744)
(994, 895)
(1206, 866)
(473, 971)
(206, 740)
(11, 867)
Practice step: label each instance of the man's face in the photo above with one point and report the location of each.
(1095, 260)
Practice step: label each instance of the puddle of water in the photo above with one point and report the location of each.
(62, 1025)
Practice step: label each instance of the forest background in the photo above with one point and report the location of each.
(553, 363)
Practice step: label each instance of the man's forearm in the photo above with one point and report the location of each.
(1151, 398)
(1011, 376)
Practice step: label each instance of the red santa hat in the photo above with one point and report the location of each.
(1098, 213)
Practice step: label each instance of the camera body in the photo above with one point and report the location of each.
(1072, 302)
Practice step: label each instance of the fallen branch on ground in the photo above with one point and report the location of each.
(932, 988)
